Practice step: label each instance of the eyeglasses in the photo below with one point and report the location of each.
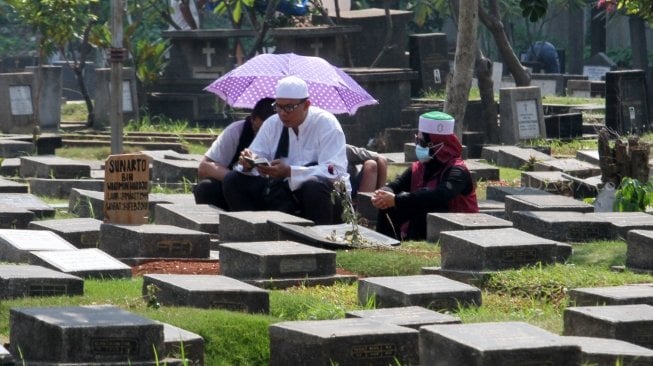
(288, 108)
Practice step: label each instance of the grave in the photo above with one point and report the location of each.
(342, 342)
(10, 167)
(207, 291)
(629, 323)
(84, 335)
(573, 167)
(430, 291)
(255, 225)
(102, 107)
(29, 281)
(482, 171)
(6, 359)
(53, 167)
(499, 193)
(86, 263)
(609, 352)
(513, 156)
(579, 88)
(364, 207)
(549, 84)
(135, 242)
(9, 186)
(29, 202)
(333, 236)
(126, 189)
(639, 252)
(494, 344)
(14, 148)
(48, 83)
(205, 218)
(17, 98)
(436, 222)
(544, 203)
(405, 316)
(612, 295)
(552, 182)
(622, 222)
(429, 56)
(566, 226)
(61, 188)
(279, 264)
(175, 338)
(86, 203)
(521, 113)
(14, 217)
(326, 42)
(16, 244)
(626, 104)
(589, 156)
(174, 170)
(564, 126)
(491, 207)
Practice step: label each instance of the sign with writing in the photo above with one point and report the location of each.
(527, 119)
(595, 73)
(126, 189)
(21, 100)
(127, 97)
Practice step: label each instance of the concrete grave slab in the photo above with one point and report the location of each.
(639, 250)
(204, 218)
(86, 263)
(9, 186)
(332, 236)
(342, 342)
(588, 156)
(84, 334)
(255, 225)
(480, 170)
(15, 148)
(405, 316)
(62, 188)
(10, 167)
(86, 203)
(53, 167)
(544, 203)
(16, 244)
(552, 181)
(30, 281)
(365, 208)
(173, 170)
(492, 207)
(499, 193)
(430, 291)
(608, 352)
(6, 359)
(490, 153)
(29, 202)
(573, 167)
(174, 338)
(437, 222)
(207, 291)
(629, 323)
(622, 222)
(516, 157)
(612, 295)
(12, 217)
(566, 226)
(494, 344)
(83, 232)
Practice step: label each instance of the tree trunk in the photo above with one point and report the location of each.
(483, 69)
(269, 13)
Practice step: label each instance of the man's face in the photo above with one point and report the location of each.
(292, 112)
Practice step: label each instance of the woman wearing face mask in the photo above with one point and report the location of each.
(438, 182)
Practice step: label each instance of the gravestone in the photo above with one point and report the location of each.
(326, 42)
(491, 207)
(626, 103)
(134, 242)
(499, 193)
(12, 217)
(596, 73)
(28, 202)
(521, 113)
(544, 203)
(173, 170)
(254, 225)
(517, 157)
(573, 167)
(629, 323)
(429, 55)
(609, 352)
(84, 334)
(336, 236)
(204, 218)
(564, 126)
(207, 291)
(612, 295)
(622, 222)
(482, 171)
(405, 316)
(10, 167)
(17, 98)
(176, 339)
(436, 222)
(18, 281)
(639, 252)
(86, 203)
(126, 190)
(53, 167)
(566, 226)
(429, 291)
(9, 186)
(549, 84)
(14, 148)
(48, 82)
(61, 188)
(589, 156)
(551, 181)
(494, 344)
(579, 88)
(102, 106)
(86, 263)
(16, 245)
(342, 342)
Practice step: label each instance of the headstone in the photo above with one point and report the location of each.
(101, 107)
(499, 193)
(429, 55)
(436, 222)
(491, 207)
(204, 218)
(405, 316)
(48, 82)
(254, 225)
(12, 217)
(126, 189)
(430, 291)
(566, 226)
(551, 181)
(176, 340)
(53, 167)
(207, 291)
(639, 252)
(16, 245)
(626, 103)
(173, 171)
(336, 236)
(573, 167)
(84, 335)
(86, 203)
(28, 202)
(490, 153)
(608, 352)
(17, 98)
(544, 203)
(326, 42)
(564, 126)
(14, 148)
(517, 157)
(629, 323)
(612, 295)
(29, 281)
(521, 114)
(482, 171)
(490, 344)
(342, 342)
(549, 84)
(595, 73)
(86, 263)
(622, 222)
(579, 88)
(61, 188)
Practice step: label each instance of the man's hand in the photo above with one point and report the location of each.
(276, 169)
(383, 199)
(246, 156)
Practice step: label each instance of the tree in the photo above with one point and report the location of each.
(641, 8)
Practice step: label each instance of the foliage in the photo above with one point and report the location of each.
(642, 8)
(633, 195)
(235, 9)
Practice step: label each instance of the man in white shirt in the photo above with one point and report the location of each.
(307, 161)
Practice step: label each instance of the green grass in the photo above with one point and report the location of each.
(74, 112)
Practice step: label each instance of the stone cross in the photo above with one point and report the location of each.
(208, 51)
(316, 46)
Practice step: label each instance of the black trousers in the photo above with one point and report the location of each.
(209, 191)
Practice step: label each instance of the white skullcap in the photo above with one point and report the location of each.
(291, 87)
(437, 123)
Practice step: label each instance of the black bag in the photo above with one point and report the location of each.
(279, 197)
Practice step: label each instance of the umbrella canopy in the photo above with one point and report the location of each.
(329, 87)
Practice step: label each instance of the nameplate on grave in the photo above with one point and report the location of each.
(126, 189)
(595, 73)
(20, 97)
(527, 120)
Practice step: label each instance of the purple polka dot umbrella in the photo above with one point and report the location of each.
(329, 87)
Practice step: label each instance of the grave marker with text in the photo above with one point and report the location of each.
(126, 189)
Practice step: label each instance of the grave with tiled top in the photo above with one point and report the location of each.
(544, 203)
(23, 280)
(481, 170)
(174, 170)
(279, 264)
(89, 335)
(132, 243)
(82, 232)
(572, 167)
(430, 291)
(16, 244)
(15, 148)
(207, 291)
(255, 225)
(622, 222)
(201, 217)
(177, 340)
(86, 263)
(499, 193)
(567, 226)
(639, 251)
(12, 217)
(53, 167)
(405, 316)
(512, 156)
(612, 295)
(437, 222)
(337, 236)
(495, 344)
(610, 352)
(629, 323)
(342, 342)
(588, 156)
(61, 188)
(29, 202)
(9, 186)
(553, 181)
(492, 207)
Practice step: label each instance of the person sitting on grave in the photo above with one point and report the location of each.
(224, 153)
(438, 182)
(293, 161)
(545, 55)
(373, 171)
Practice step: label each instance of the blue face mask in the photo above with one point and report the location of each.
(422, 153)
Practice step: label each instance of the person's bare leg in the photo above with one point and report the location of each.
(368, 177)
(381, 171)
